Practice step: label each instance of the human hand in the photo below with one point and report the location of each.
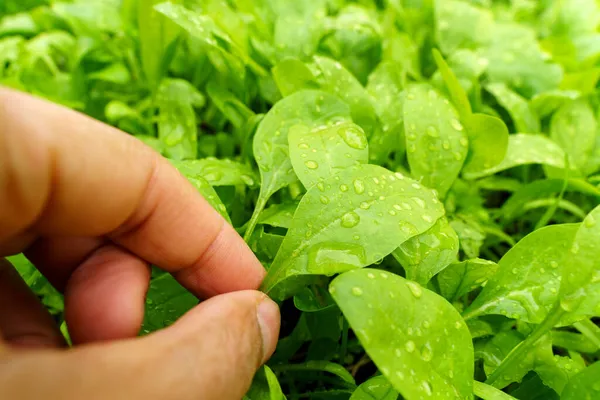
(92, 208)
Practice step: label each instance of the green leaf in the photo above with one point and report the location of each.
(324, 151)
(580, 283)
(377, 388)
(544, 104)
(209, 194)
(435, 139)
(323, 366)
(457, 93)
(574, 128)
(528, 279)
(464, 277)
(583, 386)
(335, 79)
(488, 143)
(231, 107)
(339, 223)
(271, 149)
(525, 149)
(429, 253)
(218, 172)
(176, 118)
(487, 392)
(279, 215)
(265, 386)
(166, 301)
(158, 38)
(306, 108)
(292, 75)
(420, 343)
(524, 118)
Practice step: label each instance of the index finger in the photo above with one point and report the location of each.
(64, 174)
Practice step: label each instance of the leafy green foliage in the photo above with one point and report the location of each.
(450, 145)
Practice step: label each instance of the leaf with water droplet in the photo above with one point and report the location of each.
(310, 108)
(524, 118)
(177, 119)
(326, 147)
(335, 79)
(585, 385)
(580, 283)
(209, 194)
(574, 128)
(385, 88)
(526, 285)
(463, 277)
(524, 149)
(356, 233)
(376, 388)
(488, 135)
(292, 75)
(437, 362)
(166, 301)
(218, 172)
(430, 122)
(427, 254)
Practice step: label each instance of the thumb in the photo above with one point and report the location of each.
(210, 353)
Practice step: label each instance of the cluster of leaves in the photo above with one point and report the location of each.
(420, 178)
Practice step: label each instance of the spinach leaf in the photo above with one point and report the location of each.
(218, 172)
(583, 385)
(420, 343)
(461, 278)
(271, 149)
(324, 151)
(338, 224)
(528, 279)
(435, 139)
(377, 388)
(526, 149)
(425, 255)
(524, 118)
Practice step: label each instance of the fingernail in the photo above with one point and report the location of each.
(268, 321)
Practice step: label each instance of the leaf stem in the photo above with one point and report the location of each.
(518, 352)
(589, 330)
(261, 202)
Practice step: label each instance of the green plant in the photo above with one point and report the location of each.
(419, 178)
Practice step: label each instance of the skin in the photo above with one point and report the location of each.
(92, 208)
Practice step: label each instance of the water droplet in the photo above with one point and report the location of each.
(311, 164)
(350, 219)
(456, 124)
(515, 271)
(457, 156)
(427, 218)
(415, 289)
(411, 148)
(426, 352)
(416, 186)
(324, 199)
(384, 275)
(381, 198)
(410, 346)
(344, 188)
(392, 212)
(303, 146)
(411, 136)
(464, 142)
(371, 275)
(446, 145)
(400, 375)
(321, 186)
(398, 175)
(354, 136)
(457, 324)
(410, 96)
(432, 131)
(575, 248)
(355, 237)
(364, 205)
(357, 291)
(419, 202)
(553, 264)
(426, 324)
(427, 388)
(359, 186)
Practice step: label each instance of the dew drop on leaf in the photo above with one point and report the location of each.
(359, 186)
(415, 289)
(350, 220)
(311, 164)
